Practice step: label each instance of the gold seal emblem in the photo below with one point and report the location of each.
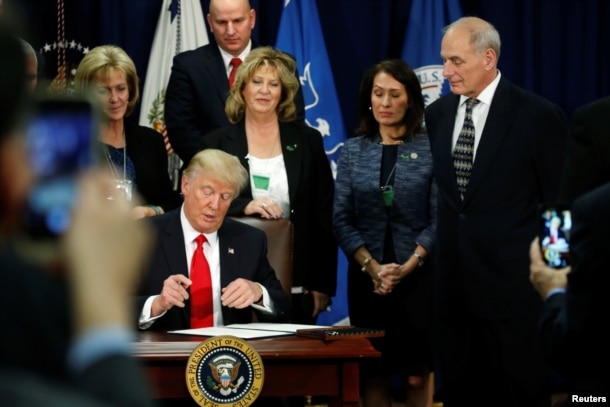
(224, 371)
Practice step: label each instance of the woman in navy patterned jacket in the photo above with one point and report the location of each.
(385, 222)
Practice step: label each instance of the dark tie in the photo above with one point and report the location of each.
(202, 309)
(235, 62)
(463, 152)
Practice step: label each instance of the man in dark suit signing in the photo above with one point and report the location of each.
(486, 308)
(199, 82)
(241, 278)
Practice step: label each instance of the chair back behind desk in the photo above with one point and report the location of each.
(279, 245)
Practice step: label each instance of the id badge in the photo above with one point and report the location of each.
(260, 182)
(387, 194)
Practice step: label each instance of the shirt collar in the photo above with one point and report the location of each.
(226, 57)
(487, 94)
(190, 234)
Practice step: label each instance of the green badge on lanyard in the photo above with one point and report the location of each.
(388, 195)
(261, 182)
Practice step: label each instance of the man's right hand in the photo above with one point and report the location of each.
(544, 278)
(174, 293)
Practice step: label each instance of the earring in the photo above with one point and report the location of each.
(370, 108)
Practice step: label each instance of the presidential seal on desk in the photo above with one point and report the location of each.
(224, 371)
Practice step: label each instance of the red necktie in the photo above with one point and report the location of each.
(235, 62)
(202, 309)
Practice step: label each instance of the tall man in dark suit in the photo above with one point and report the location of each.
(241, 278)
(198, 85)
(588, 150)
(486, 308)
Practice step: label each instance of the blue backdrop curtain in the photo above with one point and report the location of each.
(557, 48)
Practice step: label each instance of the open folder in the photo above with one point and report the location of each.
(253, 330)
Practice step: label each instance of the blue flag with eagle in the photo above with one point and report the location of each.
(300, 34)
(181, 27)
(422, 44)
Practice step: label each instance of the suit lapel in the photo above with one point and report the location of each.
(172, 245)
(228, 254)
(235, 140)
(292, 150)
(371, 154)
(444, 144)
(496, 128)
(217, 71)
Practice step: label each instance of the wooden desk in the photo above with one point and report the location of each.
(294, 366)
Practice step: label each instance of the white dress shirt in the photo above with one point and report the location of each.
(479, 114)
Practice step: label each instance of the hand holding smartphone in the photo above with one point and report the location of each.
(61, 142)
(554, 236)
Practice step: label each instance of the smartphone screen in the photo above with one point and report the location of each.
(555, 225)
(60, 143)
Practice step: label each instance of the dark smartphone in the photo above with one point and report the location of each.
(554, 236)
(61, 142)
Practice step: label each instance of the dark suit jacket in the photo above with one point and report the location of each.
(588, 152)
(483, 242)
(243, 253)
(146, 149)
(195, 100)
(311, 190)
(34, 303)
(35, 317)
(574, 325)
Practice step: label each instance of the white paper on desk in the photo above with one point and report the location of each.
(271, 326)
(240, 333)
(247, 331)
